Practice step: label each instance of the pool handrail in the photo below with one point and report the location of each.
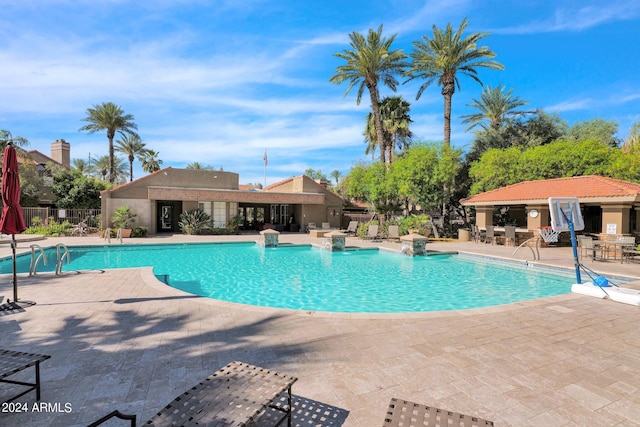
(33, 265)
(60, 259)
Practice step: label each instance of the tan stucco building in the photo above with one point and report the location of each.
(159, 198)
(608, 205)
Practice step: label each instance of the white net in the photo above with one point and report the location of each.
(548, 235)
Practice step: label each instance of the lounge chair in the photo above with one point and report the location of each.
(352, 228)
(402, 413)
(234, 395)
(393, 233)
(372, 232)
(12, 362)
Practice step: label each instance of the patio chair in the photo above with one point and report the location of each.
(402, 413)
(477, 235)
(311, 226)
(326, 226)
(489, 235)
(393, 233)
(372, 232)
(589, 248)
(510, 235)
(352, 228)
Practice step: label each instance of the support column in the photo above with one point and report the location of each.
(484, 216)
(615, 217)
(269, 238)
(413, 244)
(335, 241)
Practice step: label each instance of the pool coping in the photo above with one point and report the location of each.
(153, 281)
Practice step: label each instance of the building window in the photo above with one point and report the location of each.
(205, 207)
(219, 214)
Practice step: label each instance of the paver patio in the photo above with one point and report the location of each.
(119, 339)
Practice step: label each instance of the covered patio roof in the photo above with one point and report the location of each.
(589, 189)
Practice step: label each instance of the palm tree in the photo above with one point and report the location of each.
(632, 143)
(103, 165)
(495, 106)
(439, 60)
(335, 174)
(369, 62)
(6, 137)
(82, 166)
(131, 146)
(150, 161)
(110, 117)
(199, 166)
(394, 116)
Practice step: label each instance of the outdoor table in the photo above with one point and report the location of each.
(12, 362)
(499, 231)
(614, 246)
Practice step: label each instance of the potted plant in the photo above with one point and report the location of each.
(123, 218)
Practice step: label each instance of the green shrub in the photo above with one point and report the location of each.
(139, 232)
(419, 223)
(54, 229)
(233, 226)
(123, 217)
(195, 221)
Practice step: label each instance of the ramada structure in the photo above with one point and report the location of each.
(608, 205)
(159, 198)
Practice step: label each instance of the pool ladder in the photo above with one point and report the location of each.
(536, 253)
(33, 266)
(107, 235)
(62, 252)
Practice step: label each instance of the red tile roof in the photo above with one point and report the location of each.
(583, 187)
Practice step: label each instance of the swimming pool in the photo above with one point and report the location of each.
(312, 279)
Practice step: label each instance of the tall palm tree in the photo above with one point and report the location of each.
(395, 119)
(131, 146)
(440, 58)
(150, 161)
(335, 174)
(495, 106)
(370, 61)
(110, 117)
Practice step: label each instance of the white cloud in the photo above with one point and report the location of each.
(579, 104)
(581, 16)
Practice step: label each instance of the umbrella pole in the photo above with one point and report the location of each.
(15, 276)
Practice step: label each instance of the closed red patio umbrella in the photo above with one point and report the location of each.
(12, 221)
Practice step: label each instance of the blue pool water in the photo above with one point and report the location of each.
(308, 278)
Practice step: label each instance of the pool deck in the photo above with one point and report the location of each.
(119, 339)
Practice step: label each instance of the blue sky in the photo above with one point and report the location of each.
(219, 82)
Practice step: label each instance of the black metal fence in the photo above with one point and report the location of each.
(74, 216)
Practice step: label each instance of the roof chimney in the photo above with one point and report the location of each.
(61, 152)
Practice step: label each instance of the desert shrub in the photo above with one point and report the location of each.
(195, 221)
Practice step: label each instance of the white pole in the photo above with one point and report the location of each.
(265, 168)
